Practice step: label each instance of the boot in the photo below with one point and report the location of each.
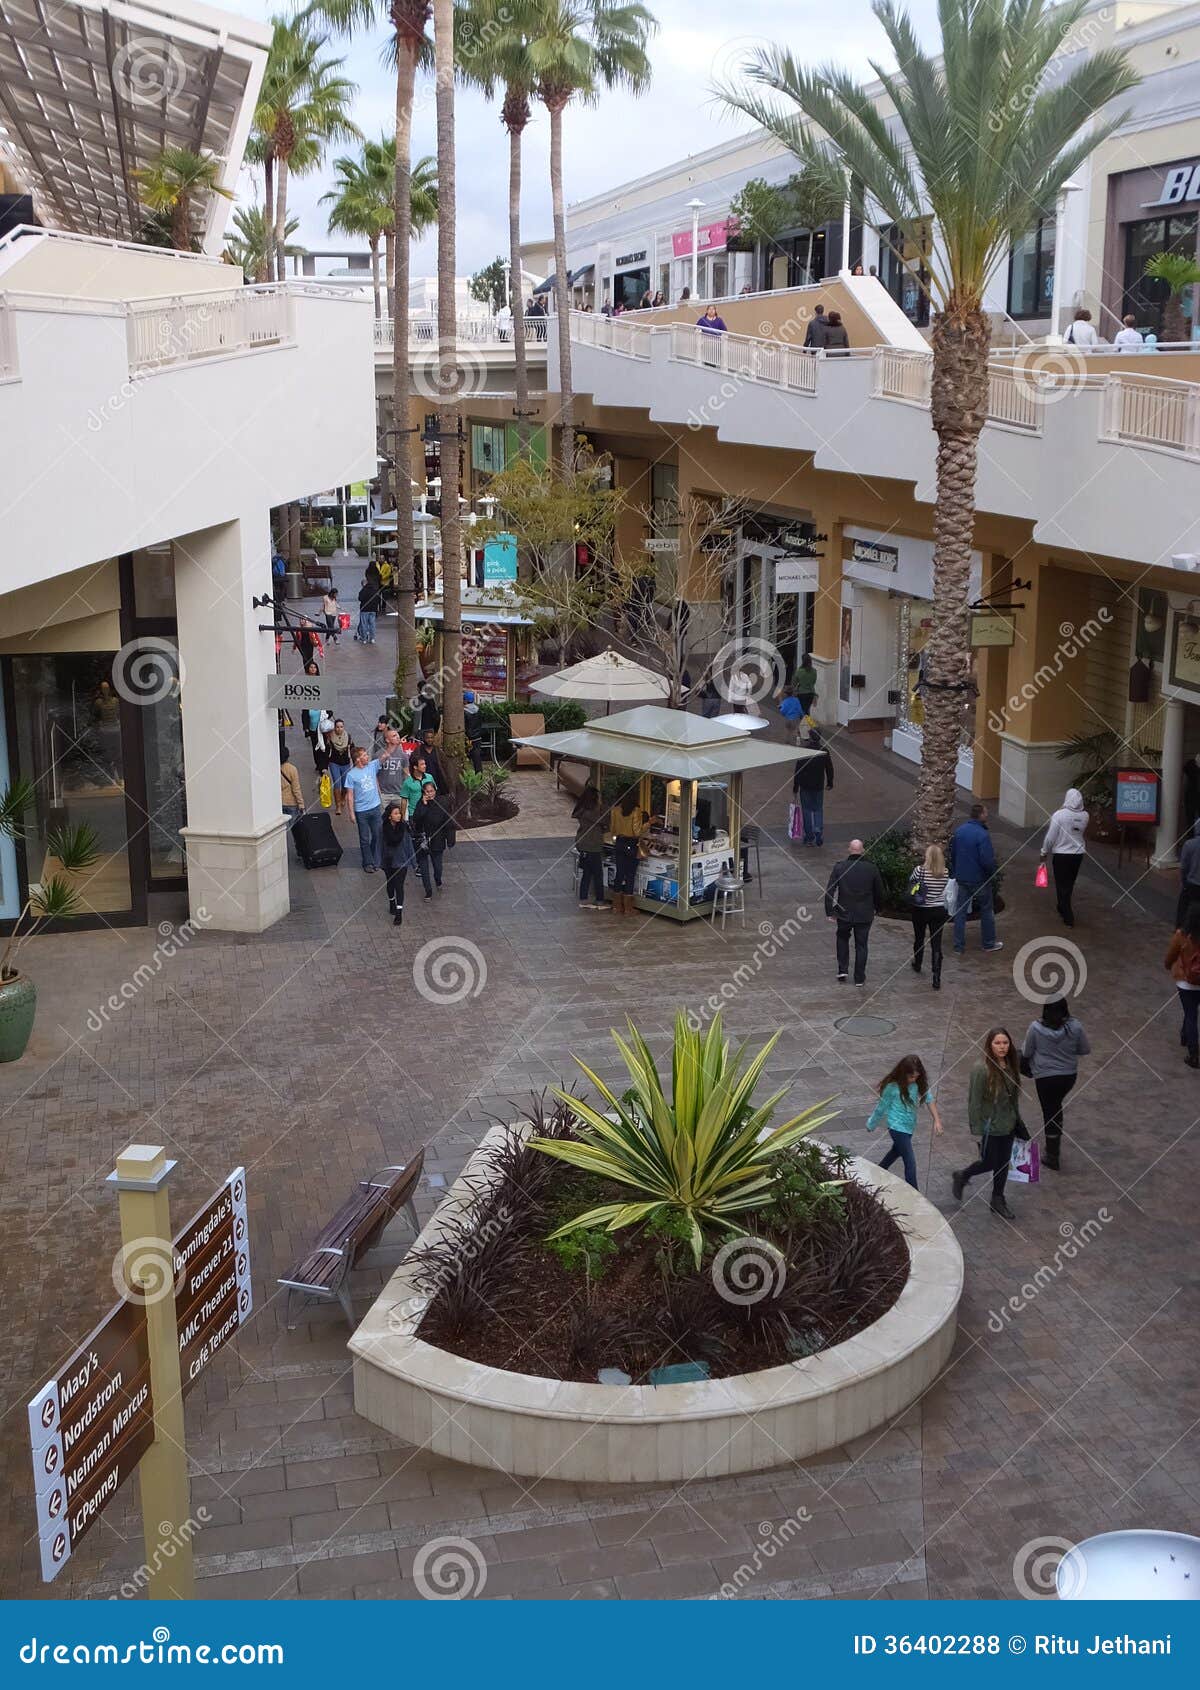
(958, 1184)
(398, 916)
(937, 976)
(918, 959)
(1001, 1208)
(1050, 1153)
(1192, 1059)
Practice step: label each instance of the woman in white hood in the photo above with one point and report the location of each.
(1064, 846)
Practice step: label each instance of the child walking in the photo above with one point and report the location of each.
(901, 1094)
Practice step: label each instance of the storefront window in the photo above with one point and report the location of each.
(1147, 300)
(68, 736)
(166, 800)
(487, 448)
(154, 585)
(1031, 272)
(900, 279)
(631, 287)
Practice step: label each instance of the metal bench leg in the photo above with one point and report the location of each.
(410, 1209)
(347, 1303)
(288, 1315)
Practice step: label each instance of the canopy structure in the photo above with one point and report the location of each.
(681, 748)
(742, 719)
(609, 677)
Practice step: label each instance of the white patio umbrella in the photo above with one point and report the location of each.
(610, 677)
(741, 719)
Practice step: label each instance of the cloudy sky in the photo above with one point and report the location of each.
(698, 42)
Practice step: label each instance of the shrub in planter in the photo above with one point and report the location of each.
(895, 856)
(54, 899)
(561, 714)
(324, 540)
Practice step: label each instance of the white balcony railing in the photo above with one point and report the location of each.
(1015, 397)
(899, 374)
(490, 332)
(166, 332)
(1146, 412)
(8, 343)
(745, 358)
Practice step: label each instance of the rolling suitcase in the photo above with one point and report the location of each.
(316, 841)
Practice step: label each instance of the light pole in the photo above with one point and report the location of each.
(695, 207)
(1054, 338)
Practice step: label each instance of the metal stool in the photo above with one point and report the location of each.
(729, 898)
(751, 840)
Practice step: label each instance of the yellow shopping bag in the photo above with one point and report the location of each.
(325, 789)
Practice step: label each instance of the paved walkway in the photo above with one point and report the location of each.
(307, 1053)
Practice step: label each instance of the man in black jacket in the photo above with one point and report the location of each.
(812, 779)
(852, 898)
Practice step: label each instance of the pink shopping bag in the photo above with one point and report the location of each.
(795, 822)
(1042, 878)
(1025, 1166)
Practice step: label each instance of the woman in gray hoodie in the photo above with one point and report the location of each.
(1050, 1054)
(1064, 846)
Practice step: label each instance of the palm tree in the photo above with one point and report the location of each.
(576, 48)
(493, 52)
(409, 47)
(171, 184)
(361, 204)
(303, 105)
(1179, 272)
(982, 142)
(422, 199)
(251, 241)
(449, 387)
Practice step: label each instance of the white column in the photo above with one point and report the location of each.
(846, 235)
(1166, 844)
(236, 835)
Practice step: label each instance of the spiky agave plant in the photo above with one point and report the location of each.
(702, 1154)
(57, 897)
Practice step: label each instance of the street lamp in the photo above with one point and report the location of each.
(695, 207)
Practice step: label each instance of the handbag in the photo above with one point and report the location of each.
(1025, 1166)
(1042, 878)
(916, 888)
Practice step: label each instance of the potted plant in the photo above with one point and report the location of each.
(53, 899)
(1096, 757)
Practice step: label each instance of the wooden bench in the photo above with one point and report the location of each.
(323, 1275)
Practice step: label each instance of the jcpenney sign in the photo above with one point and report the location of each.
(1179, 184)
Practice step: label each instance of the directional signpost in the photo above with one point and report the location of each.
(117, 1403)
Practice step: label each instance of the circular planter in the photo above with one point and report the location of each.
(542, 1428)
(18, 1004)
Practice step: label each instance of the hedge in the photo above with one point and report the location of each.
(561, 715)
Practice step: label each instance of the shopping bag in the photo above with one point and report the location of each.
(1025, 1166)
(325, 791)
(950, 897)
(1042, 878)
(343, 620)
(795, 822)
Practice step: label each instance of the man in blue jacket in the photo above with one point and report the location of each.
(973, 863)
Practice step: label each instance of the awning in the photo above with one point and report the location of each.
(547, 286)
(578, 276)
(658, 741)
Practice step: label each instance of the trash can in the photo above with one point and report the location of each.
(293, 586)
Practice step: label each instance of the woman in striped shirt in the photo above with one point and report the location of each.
(929, 913)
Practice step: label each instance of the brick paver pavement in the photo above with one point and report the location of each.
(1070, 1405)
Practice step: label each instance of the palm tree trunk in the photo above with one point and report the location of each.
(566, 409)
(516, 293)
(389, 270)
(181, 223)
(268, 216)
(958, 409)
(375, 276)
(449, 385)
(281, 188)
(399, 446)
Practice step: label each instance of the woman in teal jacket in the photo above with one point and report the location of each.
(994, 1115)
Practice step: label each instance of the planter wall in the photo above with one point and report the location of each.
(640, 1433)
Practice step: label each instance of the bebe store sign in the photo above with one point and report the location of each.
(1180, 185)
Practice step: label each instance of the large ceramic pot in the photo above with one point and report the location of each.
(18, 1002)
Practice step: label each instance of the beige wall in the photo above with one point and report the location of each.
(778, 316)
(75, 612)
(96, 270)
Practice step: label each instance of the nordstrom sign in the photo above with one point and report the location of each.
(1180, 183)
